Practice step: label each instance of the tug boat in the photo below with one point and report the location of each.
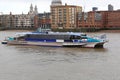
(57, 39)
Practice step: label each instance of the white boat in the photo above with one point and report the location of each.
(4, 42)
(57, 39)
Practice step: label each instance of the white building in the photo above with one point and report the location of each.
(19, 21)
(26, 20)
(22, 21)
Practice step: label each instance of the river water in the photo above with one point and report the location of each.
(51, 63)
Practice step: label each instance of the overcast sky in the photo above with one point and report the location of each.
(19, 6)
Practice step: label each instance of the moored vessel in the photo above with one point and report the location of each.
(4, 42)
(57, 39)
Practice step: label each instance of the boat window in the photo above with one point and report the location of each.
(72, 37)
(75, 37)
(78, 37)
(84, 37)
(48, 36)
(21, 37)
(28, 36)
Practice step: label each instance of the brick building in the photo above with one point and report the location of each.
(113, 19)
(99, 19)
(43, 20)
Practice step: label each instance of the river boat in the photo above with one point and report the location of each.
(57, 39)
(4, 42)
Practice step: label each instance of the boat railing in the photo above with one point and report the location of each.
(102, 37)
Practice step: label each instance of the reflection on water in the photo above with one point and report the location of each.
(60, 63)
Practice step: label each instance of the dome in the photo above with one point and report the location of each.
(56, 2)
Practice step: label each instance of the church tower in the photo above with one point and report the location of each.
(35, 10)
(31, 8)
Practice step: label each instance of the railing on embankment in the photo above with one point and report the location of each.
(2, 28)
(78, 30)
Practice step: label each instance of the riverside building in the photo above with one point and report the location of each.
(43, 20)
(19, 21)
(64, 16)
(99, 19)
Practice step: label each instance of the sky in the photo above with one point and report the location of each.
(22, 6)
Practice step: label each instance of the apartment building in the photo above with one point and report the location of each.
(64, 16)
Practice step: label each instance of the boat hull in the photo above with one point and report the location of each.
(58, 44)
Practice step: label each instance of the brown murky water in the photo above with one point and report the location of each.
(50, 63)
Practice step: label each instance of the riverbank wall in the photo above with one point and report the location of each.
(83, 29)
